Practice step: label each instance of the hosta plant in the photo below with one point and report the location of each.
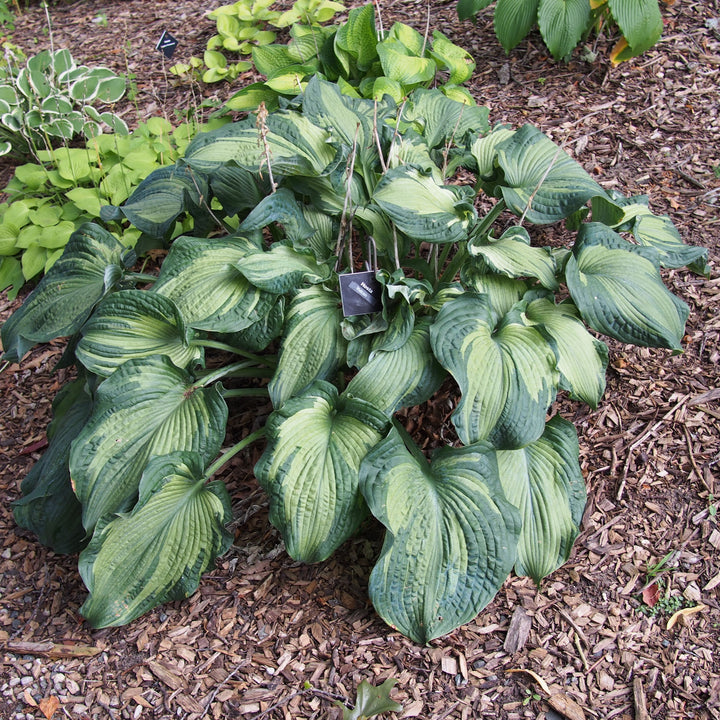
(373, 197)
(563, 24)
(48, 99)
(365, 61)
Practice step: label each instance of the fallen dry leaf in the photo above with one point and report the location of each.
(685, 612)
(534, 676)
(567, 707)
(651, 595)
(48, 706)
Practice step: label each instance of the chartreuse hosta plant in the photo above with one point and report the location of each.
(365, 62)
(292, 201)
(563, 24)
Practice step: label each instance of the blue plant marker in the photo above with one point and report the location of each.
(167, 44)
(361, 293)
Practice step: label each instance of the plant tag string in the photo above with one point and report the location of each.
(360, 292)
(167, 44)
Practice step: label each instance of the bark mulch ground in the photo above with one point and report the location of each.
(265, 637)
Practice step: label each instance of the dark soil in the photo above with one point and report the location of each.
(265, 637)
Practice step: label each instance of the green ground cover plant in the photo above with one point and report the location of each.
(563, 24)
(287, 207)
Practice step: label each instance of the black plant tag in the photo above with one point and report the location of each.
(361, 293)
(167, 44)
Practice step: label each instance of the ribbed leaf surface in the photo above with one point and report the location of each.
(451, 536)
(562, 23)
(639, 21)
(513, 21)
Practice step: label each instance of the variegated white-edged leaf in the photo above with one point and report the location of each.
(313, 345)
(451, 536)
(91, 265)
(146, 407)
(135, 323)
(201, 277)
(405, 376)
(507, 374)
(581, 358)
(513, 256)
(484, 149)
(544, 481)
(316, 442)
(158, 551)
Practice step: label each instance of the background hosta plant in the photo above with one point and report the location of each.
(563, 24)
(287, 206)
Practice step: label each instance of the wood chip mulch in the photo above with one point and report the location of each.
(265, 637)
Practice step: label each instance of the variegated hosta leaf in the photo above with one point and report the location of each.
(541, 180)
(513, 256)
(282, 269)
(544, 481)
(507, 375)
(146, 407)
(620, 293)
(484, 150)
(294, 144)
(581, 358)
(48, 505)
(403, 377)
(422, 209)
(310, 468)
(451, 535)
(158, 551)
(280, 207)
(91, 265)
(135, 323)
(200, 276)
(313, 346)
(502, 292)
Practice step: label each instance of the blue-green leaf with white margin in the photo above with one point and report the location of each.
(451, 536)
(513, 256)
(581, 358)
(135, 323)
(201, 277)
(423, 209)
(157, 552)
(146, 407)
(92, 265)
(541, 181)
(313, 345)
(506, 373)
(309, 469)
(405, 376)
(544, 482)
(619, 292)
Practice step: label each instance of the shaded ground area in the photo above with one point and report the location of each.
(265, 637)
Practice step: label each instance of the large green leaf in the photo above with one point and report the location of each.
(316, 442)
(541, 180)
(513, 256)
(467, 8)
(620, 293)
(422, 209)
(401, 377)
(131, 324)
(355, 42)
(201, 277)
(313, 346)
(400, 64)
(562, 24)
(158, 551)
(507, 374)
(456, 60)
(451, 536)
(295, 145)
(580, 357)
(513, 21)
(146, 407)
(91, 266)
(639, 21)
(545, 483)
(280, 207)
(48, 505)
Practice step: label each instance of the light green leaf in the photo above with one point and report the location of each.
(507, 374)
(356, 41)
(158, 551)
(639, 21)
(132, 324)
(372, 701)
(484, 149)
(545, 483)
(502, 292)
(451, 535)
(146, 407)
(660, 233)
(313, 346)
(458, 61)
(91, 266)
(316, 442)
(513, 21)
(562, 24)
(399, 64)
